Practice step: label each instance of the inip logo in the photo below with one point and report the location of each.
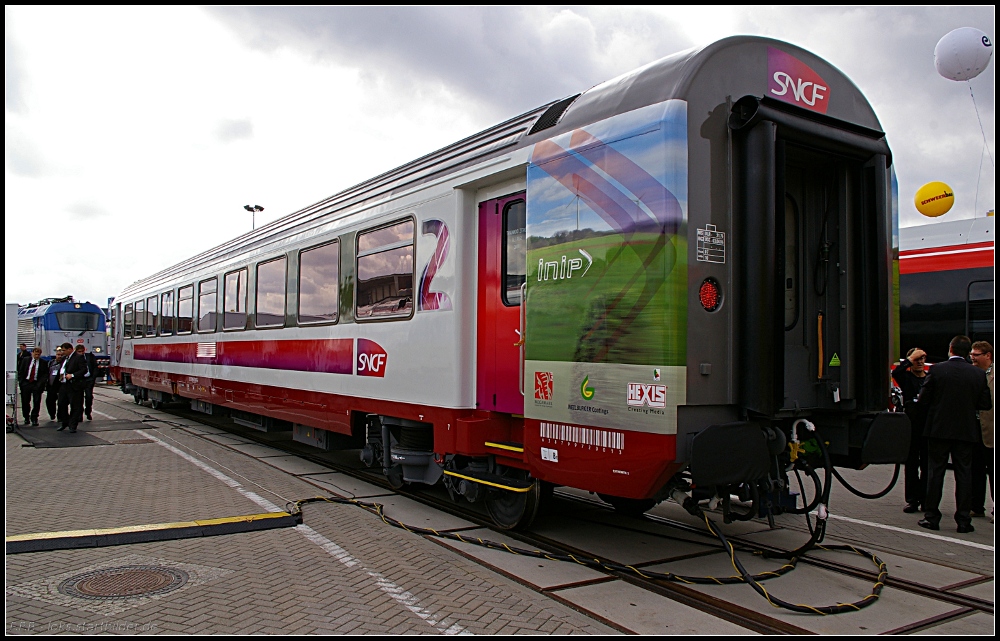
(793, 81)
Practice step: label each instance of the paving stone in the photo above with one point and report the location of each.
(268, 582)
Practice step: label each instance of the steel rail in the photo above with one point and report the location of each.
(714, 606)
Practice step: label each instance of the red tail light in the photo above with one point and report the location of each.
(710, 294)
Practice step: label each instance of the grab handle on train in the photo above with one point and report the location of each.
(520, 333)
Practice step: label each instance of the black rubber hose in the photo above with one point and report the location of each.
(856, 492)
(817, 495)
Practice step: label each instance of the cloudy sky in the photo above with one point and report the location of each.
(135, 136)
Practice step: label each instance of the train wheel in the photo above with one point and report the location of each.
(514, 510)
(395, 477)
(628, 507)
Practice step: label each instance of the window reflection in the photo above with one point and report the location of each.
(394, 234)
(207, 301)
(167, 314)
(140, 318)
(270, 301)
(385, 272)
(319, 272)
(151, 316)
(185, 309)
(127, 324)
(77, 321)
(235, 301)
(515, 253)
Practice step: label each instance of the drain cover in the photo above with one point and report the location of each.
(126, 582)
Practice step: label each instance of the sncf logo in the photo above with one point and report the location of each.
(793, 81)
(371, 358)
(642, 394)
(543, 386)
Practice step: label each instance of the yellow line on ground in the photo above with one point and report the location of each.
(145, 528)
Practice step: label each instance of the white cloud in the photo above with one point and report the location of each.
(146, 130)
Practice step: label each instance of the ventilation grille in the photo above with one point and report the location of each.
(552, 115)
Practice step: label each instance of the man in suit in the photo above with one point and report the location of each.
(88, 390)
(73, 379)
(32, 374)
(982, 463)
(22, 354)
(954, 390)
(52, 395)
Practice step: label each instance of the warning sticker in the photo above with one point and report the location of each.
(711, 245)
(835, 361)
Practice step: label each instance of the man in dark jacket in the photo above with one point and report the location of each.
(953, 392)
(32, 374)
(88, 391)
(73, 376)
(52, 396)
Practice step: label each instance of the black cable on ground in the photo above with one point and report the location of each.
(839, 608)
(599, 564)
(856, 492)
(742, 577)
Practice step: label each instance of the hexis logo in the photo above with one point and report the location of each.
(640, 394)
(372, 359)
(543, 386)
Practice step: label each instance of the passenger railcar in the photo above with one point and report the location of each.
(637, 291)
(48, 325)
(946, 284)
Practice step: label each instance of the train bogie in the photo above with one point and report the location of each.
(637, 291)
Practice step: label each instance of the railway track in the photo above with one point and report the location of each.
(589, 511)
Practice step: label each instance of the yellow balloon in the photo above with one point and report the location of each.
(934, 199)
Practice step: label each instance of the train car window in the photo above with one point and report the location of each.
(319, 283)
(152, 318)
(235, 300)
(270, 301)
(167, 314)
(185, 309)
(140, 319)
(78, 321)
(515, 253)
(385, 272)
(127, 324)
(207, 298)
(980, 314)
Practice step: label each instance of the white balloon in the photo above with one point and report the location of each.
(963, 53)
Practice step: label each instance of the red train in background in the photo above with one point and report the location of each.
(946, 284)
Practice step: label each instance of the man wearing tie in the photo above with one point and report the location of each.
(32, 375)
(73, 376)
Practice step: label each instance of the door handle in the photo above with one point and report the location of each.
(520, 332)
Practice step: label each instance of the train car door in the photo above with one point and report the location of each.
(817, 287)
(502, 269)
